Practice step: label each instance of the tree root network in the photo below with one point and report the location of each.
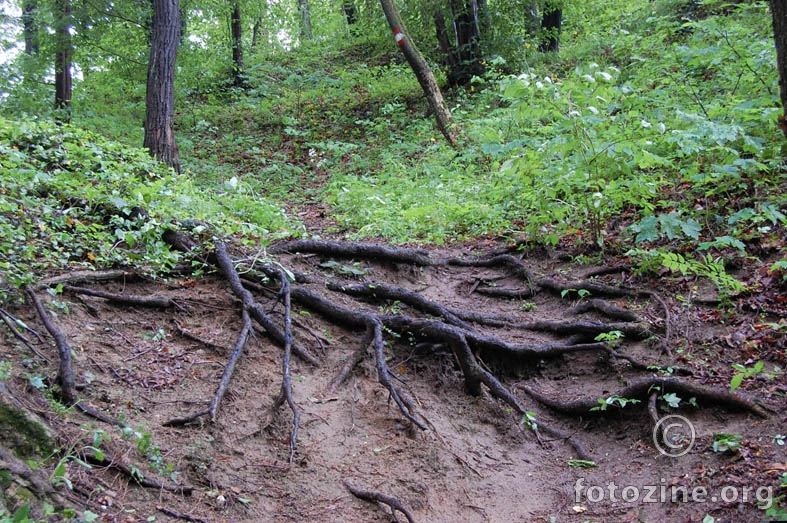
(429, 323)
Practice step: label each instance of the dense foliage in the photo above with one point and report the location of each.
(70, 199)
(654, 128)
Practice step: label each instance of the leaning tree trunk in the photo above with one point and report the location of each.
(236, 28)
(422, 72)
(779, 12)
(306, 20)
(63, 59)
(160, 99)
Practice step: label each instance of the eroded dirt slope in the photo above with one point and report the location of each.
(476, 461)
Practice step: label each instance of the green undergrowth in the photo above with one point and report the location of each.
(653, 129)
(659, 133)
(662, 136)
(70, 199)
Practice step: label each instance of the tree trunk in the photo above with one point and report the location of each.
(551, 25)
(160, 99)
(258, 29)
(306, 20)
(779, 13)
(63, 58)
(30, 26)
(236, 28)
(468, 43)
(350, 12)
(422, 72)
(483, 20)
(532, 18)
(449, 57)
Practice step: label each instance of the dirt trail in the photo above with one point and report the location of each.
(477, 461)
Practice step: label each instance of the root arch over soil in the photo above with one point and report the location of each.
(345, 284)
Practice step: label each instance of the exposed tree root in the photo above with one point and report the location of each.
(178, 515)
(377, 497)
(65, 374)
(357, 357)
(609, 309)
(286, 383)
(133, 475)
(432, 323)
(77, 277)
(653, 412)
(519, 293)
(386, 292)
(12, 323)
(356, 250)
(213, 407)
(125, 299)
(38, 483)
(221, 259)
(458, 339)
(193, 337)
(641, 389)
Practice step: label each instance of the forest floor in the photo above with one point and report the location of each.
(478, 459)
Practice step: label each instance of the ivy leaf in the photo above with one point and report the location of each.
(672, 400)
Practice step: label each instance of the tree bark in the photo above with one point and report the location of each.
(468, 42)
(779, 14)
(236, 28)
(63, 58)
(551, 26)
(160, 98)
(446, 50)
(422, 72)
(306, 20)
(30, 26)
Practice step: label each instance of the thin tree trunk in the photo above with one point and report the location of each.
(483, 20)
(160, 99)
(256, 31)
(449, 57)
(532, 18)
(30, 26)
(468, 42)
(236, 28)
(422, 72)
(306, 20)
(779, 13)
(63, 59)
